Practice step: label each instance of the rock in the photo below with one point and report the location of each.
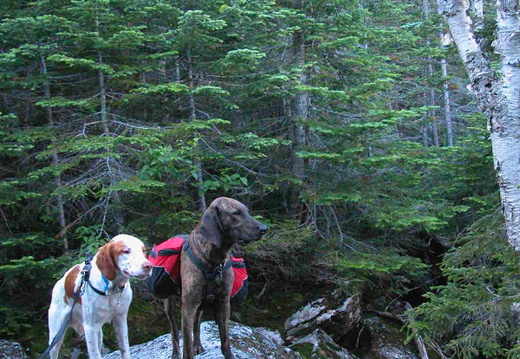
(11, 350)
(318, 345)
(334, 314)
(387, 340)
(246, 342)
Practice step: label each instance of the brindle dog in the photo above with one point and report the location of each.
(225, 223)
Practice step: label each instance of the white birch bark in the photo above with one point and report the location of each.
(505, 126)
(477, 12)
(498, 98)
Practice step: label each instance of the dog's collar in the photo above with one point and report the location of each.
(200, 249)
(100, 292)
(86, 278)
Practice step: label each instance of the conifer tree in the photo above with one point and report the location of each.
(131, 115)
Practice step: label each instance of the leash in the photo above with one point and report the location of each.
(63, 328)
(77, 295)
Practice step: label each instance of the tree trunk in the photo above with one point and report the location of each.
(54, 155)
(114, 195)
(191, 98)
(477, 12)
(505, 124)
(431, 102)
(435, 125)
(447, 103)
(424, 132)
(192, 116)
(102, 97)
(499, 99)
(299, 113)
(142, 80)
(177, 73)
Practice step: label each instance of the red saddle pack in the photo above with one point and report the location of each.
(165, 279)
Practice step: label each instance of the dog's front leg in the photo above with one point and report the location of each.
(197, 345)
(56, 319)
(169, 308)
(94, 339)
(121, 330)
(222, 310)
(189, 314)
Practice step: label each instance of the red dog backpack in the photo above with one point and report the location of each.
(165, 279)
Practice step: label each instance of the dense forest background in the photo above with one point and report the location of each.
(345, 125)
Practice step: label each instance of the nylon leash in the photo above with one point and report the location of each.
(77, 295)
(62, 330)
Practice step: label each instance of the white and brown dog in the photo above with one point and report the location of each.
(106, 294)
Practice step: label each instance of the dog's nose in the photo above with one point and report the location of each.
(262, 229)
(147, 266)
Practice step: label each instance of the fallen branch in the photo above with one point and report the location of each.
(262, 292)
(66, 228)
(423, 353)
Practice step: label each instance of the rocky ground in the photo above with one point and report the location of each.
(332, 327)
(247, 343)
(315, 331)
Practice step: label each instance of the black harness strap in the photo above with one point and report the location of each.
(213, 274)
(86, 276)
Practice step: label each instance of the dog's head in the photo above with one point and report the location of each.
(126, 254)
(228, 220)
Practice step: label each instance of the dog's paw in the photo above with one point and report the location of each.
(198, 349)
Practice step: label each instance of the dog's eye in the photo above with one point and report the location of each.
(236, 213)
(126, 251)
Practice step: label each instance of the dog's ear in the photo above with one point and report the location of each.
(210, 227)
(105, 261)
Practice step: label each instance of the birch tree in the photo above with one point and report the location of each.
(497, 93)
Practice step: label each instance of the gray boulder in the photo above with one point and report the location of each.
(246, 342)
(11, 350)
(388, 340)
(335, 315)
(319, 345)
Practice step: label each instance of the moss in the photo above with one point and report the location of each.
(306, 350)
